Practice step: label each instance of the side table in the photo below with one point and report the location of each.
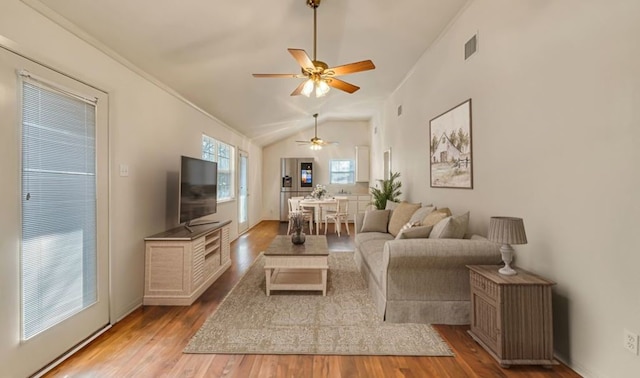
(511, 316)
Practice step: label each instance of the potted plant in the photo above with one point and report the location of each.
(297, 224)
(389, 191)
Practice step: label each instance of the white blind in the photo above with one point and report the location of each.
(58, 206)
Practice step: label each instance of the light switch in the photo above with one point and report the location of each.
(124, 170)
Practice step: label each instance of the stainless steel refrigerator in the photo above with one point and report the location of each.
(296, 180)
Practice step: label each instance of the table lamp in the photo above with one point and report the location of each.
(507, 231)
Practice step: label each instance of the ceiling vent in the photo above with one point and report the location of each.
(471, 47)
(399, 110)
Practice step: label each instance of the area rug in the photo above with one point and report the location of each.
(344, 322)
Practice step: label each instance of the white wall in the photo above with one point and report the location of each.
(348, 134)
(555, 89)
(149, 130)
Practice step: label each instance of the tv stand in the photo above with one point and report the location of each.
(180, 264)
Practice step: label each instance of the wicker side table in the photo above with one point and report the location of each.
(511, 316)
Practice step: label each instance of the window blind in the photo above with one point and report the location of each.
(58, 254)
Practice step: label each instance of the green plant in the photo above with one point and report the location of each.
(389, 191)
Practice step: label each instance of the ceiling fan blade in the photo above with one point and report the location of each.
(303, 141)
(288, 76)
(342, 85)
(298, 90)
(350, 68)
(302, 58)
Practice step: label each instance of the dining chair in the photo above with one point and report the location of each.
(294, 206)
(339, 215)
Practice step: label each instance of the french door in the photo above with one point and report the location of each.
(54, 273)
(243, 192)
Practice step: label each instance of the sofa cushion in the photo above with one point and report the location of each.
(375, 221)
(421, 213)
(420, 232)
(453, 227)
(401, 216)
(436, 216)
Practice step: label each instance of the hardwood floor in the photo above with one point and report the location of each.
(149, 342)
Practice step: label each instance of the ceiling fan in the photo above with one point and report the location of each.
(315, 142)
(318, 74)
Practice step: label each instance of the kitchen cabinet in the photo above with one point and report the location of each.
(362, 163)
(357, 204)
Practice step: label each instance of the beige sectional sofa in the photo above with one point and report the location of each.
(419, 279)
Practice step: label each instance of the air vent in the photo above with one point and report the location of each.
(471, 47)
(399, 110)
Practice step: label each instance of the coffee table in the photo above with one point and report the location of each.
(297, 267)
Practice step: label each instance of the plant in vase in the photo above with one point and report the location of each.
(319, 192)
(389, 191)
(297, 224)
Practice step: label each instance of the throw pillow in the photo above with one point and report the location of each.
(451, 227)
(436, 216)
(401, 215)
(391, 205)
(421, 213)
(375, 221)
(419, 232)
(408, 225)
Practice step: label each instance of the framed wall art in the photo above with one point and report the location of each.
(451, 160)
(386, 165)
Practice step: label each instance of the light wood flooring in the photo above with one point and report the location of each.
(149, 342)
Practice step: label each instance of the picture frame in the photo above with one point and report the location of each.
(450, 148)
(386, 165)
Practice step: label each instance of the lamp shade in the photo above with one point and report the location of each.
(507, 230)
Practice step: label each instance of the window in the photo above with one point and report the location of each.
(342, 171)
(224, 155)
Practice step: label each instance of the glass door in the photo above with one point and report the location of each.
(54, 201)
(243, 193)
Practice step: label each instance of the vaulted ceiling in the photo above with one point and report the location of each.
(207, 50)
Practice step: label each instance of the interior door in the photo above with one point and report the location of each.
(74, 303)
(243, 192)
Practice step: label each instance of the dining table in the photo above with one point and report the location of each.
(317, 205)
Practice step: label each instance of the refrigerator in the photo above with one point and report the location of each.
(296, 180)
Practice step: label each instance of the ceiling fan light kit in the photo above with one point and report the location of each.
(319, 76)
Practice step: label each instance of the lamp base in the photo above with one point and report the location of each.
(507, 271)
(507, 256)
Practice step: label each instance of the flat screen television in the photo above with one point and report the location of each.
(198, 190)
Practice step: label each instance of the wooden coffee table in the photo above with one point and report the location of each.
(297, 267)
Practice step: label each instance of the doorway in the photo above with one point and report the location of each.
(243, 192)
(54, 196)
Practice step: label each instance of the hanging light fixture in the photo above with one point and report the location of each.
(315, 83)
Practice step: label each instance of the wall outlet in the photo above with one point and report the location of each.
(630, 342)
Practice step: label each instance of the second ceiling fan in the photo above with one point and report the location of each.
(318, 74)
(315, 143)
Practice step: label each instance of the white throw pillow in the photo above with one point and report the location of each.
(422, 213)
(453, 227)
(391, 205)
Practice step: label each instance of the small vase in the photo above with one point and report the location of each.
(298, 237)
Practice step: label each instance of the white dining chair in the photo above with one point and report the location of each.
(294, 206)
(339, 215)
